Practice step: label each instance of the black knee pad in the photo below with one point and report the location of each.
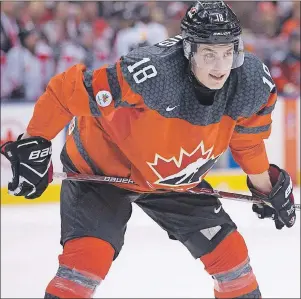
(206, 240)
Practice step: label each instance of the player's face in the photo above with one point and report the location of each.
(212, 64)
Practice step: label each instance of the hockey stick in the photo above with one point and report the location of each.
(91, 177)
(111, 179)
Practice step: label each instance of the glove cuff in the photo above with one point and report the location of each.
(254, 191)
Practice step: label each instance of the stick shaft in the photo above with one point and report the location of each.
(121, 180)
(91, 177)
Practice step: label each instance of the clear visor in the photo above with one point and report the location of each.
(220, 57)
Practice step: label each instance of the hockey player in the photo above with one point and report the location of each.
(162, 115)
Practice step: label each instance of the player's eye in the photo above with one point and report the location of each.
(229, 53)
(209, 56)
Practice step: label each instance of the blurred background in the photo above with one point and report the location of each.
(42, 38)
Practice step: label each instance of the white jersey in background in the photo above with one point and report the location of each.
(70, 54)
(156, 33)
(5, 89)
(102, 53)
(32, 71)
(139, 35)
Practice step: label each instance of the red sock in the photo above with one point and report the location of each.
(83, 265)
(229, 265)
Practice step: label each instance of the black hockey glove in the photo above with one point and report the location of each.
(31, 166)
(279, 203)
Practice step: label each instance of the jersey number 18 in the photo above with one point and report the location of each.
(143, 74)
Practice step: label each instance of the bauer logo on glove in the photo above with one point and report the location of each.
(31, 166)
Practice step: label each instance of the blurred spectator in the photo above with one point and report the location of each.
(285, 66)
(89, 11)
(70, 54)
(29, 67)
(102, 35)
(34, 14)
(138, 28)
(175, 11)
(5, 90)
(9, 25)
(156, 31)
(86, 40)
(284, 9)
(265, 20)
(293, 22)
(96, 33)
(64, 25)
(245, 11)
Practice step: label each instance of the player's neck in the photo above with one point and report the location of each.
(205, 95)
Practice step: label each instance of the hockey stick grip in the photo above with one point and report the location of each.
(121, 180)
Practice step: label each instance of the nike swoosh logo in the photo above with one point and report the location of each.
(168, 109)
(216, 210)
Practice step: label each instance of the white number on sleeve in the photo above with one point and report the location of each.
(143, 74)
(265, 80)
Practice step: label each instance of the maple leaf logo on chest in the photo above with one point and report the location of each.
(188, 169)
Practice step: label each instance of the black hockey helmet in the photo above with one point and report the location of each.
(211, 22)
